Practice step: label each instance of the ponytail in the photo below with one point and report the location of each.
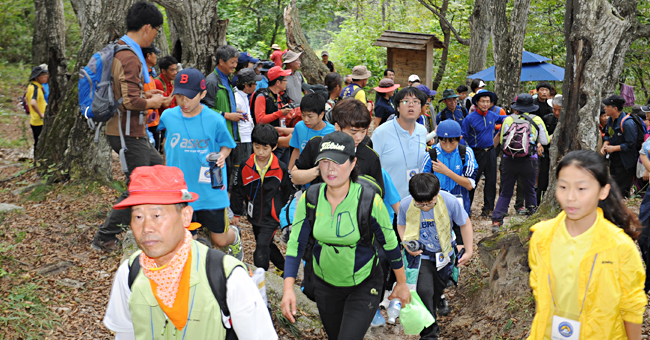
(613, 208)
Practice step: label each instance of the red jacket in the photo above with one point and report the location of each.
(276, 57)
(267, 197)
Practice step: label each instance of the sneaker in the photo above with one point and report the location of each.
(522, 211)
(443, 306)
(486, 213)
(236, 248)
(378, 320)
(106, 246)
(496, 226)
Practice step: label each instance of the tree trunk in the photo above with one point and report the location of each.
(57, 64)
(597, 38)
(445, 51)
(67, 142)
(480, 23)
(39, 39)
(199, 32)
(312, 67)
(508, 42)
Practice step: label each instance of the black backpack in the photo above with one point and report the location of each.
(369, 188)
(640, 130)
(216, 278)
(462, 150)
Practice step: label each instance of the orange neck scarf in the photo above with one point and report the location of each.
(167, 279)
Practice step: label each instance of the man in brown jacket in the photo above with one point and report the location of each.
(143, 21)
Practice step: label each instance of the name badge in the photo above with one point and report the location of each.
(204, 175)
(565, 329)
(250, 209)
(283, 122)
(410, 173)
(441, 260)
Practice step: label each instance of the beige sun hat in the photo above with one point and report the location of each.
(290, 56)
(361, 72)
(275, 47)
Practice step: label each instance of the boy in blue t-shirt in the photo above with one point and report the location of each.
(312, 108)
(194, 131)
(425, 217)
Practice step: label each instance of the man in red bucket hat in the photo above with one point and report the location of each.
(168, 287)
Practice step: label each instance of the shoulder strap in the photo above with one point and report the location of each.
(311, 201)
(134, 270)
(531, 121)
(217, 278)
(163, 83)
(443, 116)
(364, 211)
(623, 121)
(354, 93)
(464, 110)
(433, 154)
(462, 150)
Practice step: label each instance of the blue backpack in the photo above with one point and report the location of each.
(96, 100)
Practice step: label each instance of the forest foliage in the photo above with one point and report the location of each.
(347, 30)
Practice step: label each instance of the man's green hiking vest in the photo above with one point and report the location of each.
(204, 314)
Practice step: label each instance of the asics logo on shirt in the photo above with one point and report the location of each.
(188, 143)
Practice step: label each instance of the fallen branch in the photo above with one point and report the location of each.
(20, 173)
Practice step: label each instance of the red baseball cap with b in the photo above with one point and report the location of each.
(277, 71)
(157, 184)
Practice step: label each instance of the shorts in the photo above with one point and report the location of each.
(216, 220)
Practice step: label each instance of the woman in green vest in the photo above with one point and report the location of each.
(347, 278)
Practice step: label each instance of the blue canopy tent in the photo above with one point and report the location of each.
(533, 68)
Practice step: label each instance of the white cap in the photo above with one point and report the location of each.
(414, 78)
(481, 84)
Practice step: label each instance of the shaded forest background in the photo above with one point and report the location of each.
(347, 31)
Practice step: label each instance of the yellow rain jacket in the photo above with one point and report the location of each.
(615, 291)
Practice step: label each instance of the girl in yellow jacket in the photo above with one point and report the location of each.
(586, 272)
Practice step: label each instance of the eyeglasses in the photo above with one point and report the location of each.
(157, 28)
(424, 205)
(407, 102)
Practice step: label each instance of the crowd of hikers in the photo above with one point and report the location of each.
(372, 221)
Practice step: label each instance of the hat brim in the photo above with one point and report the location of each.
(153, 197)
(292, 59)
(334, 156)
(258, 77)
(493, 97)
(366, 75)
(189, 93)
(386, 89)
(284, 73)
(525, 108)
(443, 98)
(36, 74)
(645, 109)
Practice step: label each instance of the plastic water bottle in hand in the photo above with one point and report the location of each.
(393, 310)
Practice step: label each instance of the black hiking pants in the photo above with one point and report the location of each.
(346, 312)
(487, 165)
(622, 176)
(430, 288)
(140, 153)
(265, 248)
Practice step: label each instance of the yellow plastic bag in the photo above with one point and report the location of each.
(415, 316)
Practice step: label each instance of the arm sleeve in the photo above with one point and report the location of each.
(403, 206)
(533, 265)
(306, 159)
(470, 168)
(629, 134)
(504, 128)
(260, 111)
(379, 111)
(34, 93)
(384, 233)
(118, 314)
(129, 81)
(238, 196)
(632, 278)
(375, 172)
(211, 93)
(607, 127)
(286, 186)
(295, 139)
(426, 163)
(247, 308)
(541, 131)
(465, 128)
(298, 240)
(392, 195)
(159, 85)
(438, 117)
(376, 142)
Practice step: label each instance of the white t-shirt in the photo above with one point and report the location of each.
(245, 126)
(244, 301)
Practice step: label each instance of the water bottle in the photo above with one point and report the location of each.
(393, 310)
(216, 176)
